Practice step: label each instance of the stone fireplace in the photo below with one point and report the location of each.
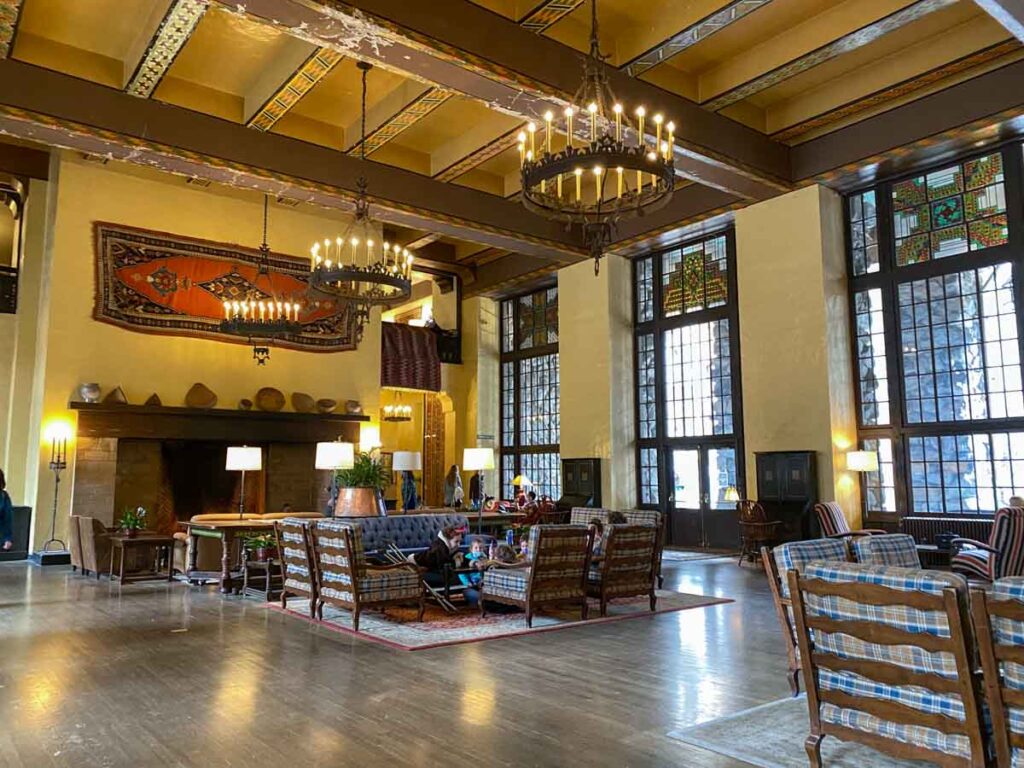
(171, 461)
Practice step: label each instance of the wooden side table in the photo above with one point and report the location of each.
(119, 542)
(262, 578)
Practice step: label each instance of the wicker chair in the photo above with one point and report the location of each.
(887, 657)
(833, 522)
(346, 580)
(298, 565)
(1002, 556)
(756, 530)
(555, 573)
(627, 567)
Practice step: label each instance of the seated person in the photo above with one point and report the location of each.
(597, 549)
(443, 551)
(476, 560)
(503, 555)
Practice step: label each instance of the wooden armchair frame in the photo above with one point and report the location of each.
(617, 564)
(783, 609)
(308, 560)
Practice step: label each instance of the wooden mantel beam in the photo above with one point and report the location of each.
(58, 110)
(494, 60)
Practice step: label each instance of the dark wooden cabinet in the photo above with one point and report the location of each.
(581, 483)
(787, 487)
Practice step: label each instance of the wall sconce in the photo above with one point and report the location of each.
(862, 461)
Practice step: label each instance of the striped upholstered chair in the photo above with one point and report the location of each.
(346, 580)
(888, 661)
(298, 565)
(1002, 556)
(627, 567)
(556, 572)
(777, 564)
(999, 626)
(833, 522)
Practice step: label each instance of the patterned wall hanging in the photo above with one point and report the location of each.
(156, 282)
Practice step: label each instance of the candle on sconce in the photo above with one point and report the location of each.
(263, 311)
(657, 122)
(592, 109)
(598, 170)
(579, 182)
(531, 128)
(617, 109)
(558, 185)
(548, 117)
(522, 147)
(227, 310)
(619, 184)
(640, 114)
(568, 127)
(671, 139)
(280, 306)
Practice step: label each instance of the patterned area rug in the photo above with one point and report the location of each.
(772, 736)
(398, 628)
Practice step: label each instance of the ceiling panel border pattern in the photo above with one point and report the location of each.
(899, 90)
(492, 149)
(312, 71)
(406, 117)
(845, 44)
(174, 31)
(10, 15)
(692, 35)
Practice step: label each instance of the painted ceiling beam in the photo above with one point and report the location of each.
(10, 15)
(51, 108)
(494, 60)
(842, 45)
(156, 58)
(1009, 13)
(301, 80)
(480, 156)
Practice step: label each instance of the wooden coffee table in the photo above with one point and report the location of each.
(227, 531)
(119, 542)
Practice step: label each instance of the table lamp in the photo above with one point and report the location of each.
(332, 457)
(243, 458)
(477, 460)
(406, 461)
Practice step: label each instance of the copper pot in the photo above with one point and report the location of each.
(360, 502)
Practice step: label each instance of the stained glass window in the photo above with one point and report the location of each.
(872, 371)
(958, 334)
(538, 401)
(508, 403)
(698, 380)
(508, 474)
(864, 233)
(544, 471)
(644, 290)
(950, 211)
(880, 485)
(645, 386)
(507, 327)
(648, 475)
(966, 474)
(694, 277)
(538, 319)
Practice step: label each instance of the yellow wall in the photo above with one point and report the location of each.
(474, 386)
(80, 349)
(794, 336)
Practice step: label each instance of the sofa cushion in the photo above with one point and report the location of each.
(897, 549)
(220, 517)
(408, 532)
(284, 515)
(795, 555)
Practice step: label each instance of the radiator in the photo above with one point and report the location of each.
(923, 529)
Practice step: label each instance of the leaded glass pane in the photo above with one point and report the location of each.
(950, 211)
(695, 277)
(648, 476)
(544, 471)
(508, 404)
(864, 233)
(644, 290)
(538, 401)
(507, 327)
(872, 371)
(508, 473)
(958, 335)
(698, 380)
(645, 387)
(880, 486)
(965, 474)
(538, 319)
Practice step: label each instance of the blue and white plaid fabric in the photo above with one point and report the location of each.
(583, 515)
(325, 528)
(506, 582)
(1010, 632)
(797, 554)
(933, 623)
(897, 549)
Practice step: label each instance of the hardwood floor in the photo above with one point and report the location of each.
(157, 674)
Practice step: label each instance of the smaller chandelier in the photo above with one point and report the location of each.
(397, 412)
(356, 266)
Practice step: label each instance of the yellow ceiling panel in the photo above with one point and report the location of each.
(453, 118)
(105, 27)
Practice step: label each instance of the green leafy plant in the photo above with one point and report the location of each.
(132, 519)
(259, 541)
(365, 473)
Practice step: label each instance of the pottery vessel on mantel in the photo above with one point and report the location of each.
(353, 407)
(270, 399)
(115, 396)
(245, 404)
(326, 405)
(303, 403)
(90, 393)
(200, 396)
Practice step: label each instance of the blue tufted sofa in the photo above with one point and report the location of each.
(411, 533)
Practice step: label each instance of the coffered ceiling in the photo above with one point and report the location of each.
(759, 88)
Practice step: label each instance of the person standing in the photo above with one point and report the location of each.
(6, 515)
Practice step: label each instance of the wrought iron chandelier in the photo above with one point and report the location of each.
(357, 266)
(262, 315)
(611, 173)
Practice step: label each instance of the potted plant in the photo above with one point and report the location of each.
(261, 546)
(361, 489)
(132, 521)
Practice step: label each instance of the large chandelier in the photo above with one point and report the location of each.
(607, 169)
(262, 314)
(357, 266)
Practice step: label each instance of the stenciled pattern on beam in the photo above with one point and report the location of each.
(312, 71)
(174, 31)
(692, 35)
(845, 44)
(10, 12)
(504, 142)
(409, 115)
(888, 95)
(548, 13)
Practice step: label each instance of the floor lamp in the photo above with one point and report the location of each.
(243, 458)
(406, 461)
(478, 460)
(332, 457)
(58, 435)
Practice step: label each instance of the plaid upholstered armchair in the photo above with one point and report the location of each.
(583, 516)
(556, 572)
(627, 567)
(298, 565)
(1002, 556)
(833, 522)
(346, 580)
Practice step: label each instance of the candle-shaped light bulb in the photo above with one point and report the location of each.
(522, 153)
(618, 186)
(569, 112)
(598, 170)
(665, 151)
(531, 128)
(328, 263)
(640, 113)
(263, 311)
(529, 155)
(579, 182)
(235, 308)
(671, 139)
(548, 117)
(658, 119)
(617, 109)
(280, 309)
(227, 310)
(592, 109)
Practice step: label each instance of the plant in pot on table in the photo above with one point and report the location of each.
(361, 488)
(261, 547)
(132, 521)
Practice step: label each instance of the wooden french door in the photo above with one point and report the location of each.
(699, 479)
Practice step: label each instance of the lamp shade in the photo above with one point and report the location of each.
(244, 458)
(731, 494)
(335, 455)
(407, 461)
(862, 461)
(522, 481)
(477, 459)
